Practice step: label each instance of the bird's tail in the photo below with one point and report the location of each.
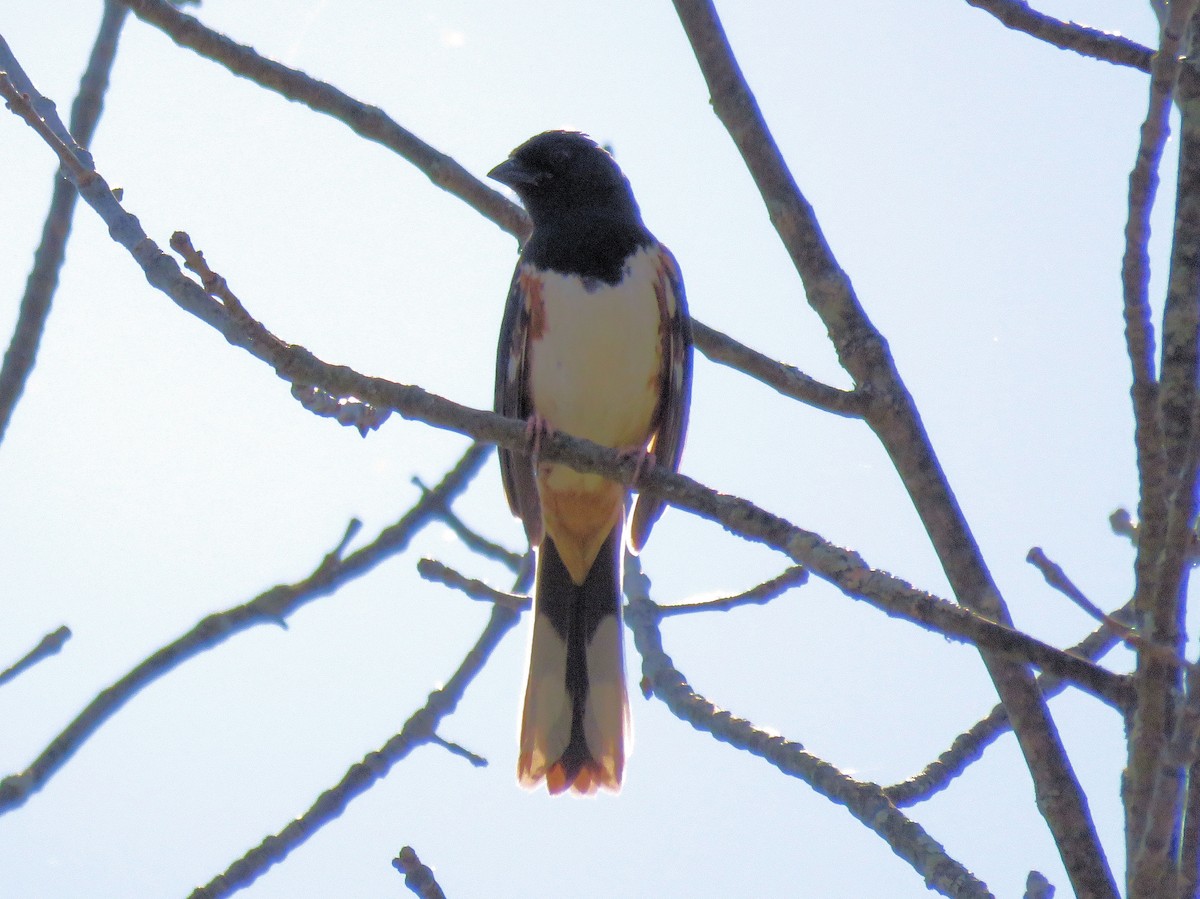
(573, 729)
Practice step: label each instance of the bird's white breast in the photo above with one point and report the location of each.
(595, 353)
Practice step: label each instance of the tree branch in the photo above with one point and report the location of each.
(419, 729)
(1157, 612)
(49, 645)
(22, 350)
(476, 542)
(1081, 39)
(786, 379)
(438, 573)
(794, 576)
(893, 416)
(367, 121)
(271, 607)
(865, 801)
(970, 745)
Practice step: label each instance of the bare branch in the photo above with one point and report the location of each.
(417, 876)
(477, 761)
(419, 729)
(22, 350)
(1081, 39)
(438, 573)
(1057, 578)
(1155, 871)
(1157, 864)
(44, 109)
(788, 380)
(865, 801)
(49, 645)
(475, 542)
(893, 416)
(24, 104)
(270, 607)
(794, 576)
(970, 745)
(1156, 682)
(366, 121)
(362, 416)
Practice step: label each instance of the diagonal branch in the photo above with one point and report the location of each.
(365, 120)
(419, 729)
(794, 576)
(49, 645)
(270, 607)
(22, 350)
(893, 417)
(439, 573)
(970, 745)
(474, 541)
(1086, 41)
(788, 380)
(865, 801)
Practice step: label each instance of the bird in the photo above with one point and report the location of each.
(595, 342)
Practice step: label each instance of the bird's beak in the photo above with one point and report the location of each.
(514, 174)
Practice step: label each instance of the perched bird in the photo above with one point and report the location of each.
(595, 342)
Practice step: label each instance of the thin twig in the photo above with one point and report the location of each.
(69, 156)
(46, 647)
(788, 380)
(365, 120)
(22, 351)
(43, 108)
(969, 746)
(477, 761)
(418, 877)
(418, 730)
(476, 542)
(865, 801)
(344, 411)
(794, 576)
(439, 573)
(1057, 578)
(1081, 39)
(270, 607)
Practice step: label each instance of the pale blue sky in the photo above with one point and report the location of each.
(971, 181)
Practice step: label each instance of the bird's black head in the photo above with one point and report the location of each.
(561, 174)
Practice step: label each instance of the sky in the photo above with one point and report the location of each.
(971, 181)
